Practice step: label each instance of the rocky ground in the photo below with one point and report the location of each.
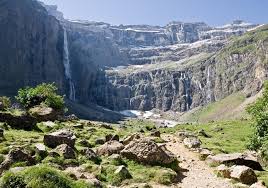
(132, 153)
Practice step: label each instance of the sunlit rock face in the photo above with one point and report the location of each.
(174, 67)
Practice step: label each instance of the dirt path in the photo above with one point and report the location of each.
(196, 173)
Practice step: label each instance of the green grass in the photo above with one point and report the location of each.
(40, 177)
(232, 138)
(220, 110)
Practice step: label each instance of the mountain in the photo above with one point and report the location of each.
(103, 67)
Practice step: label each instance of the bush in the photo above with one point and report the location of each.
(5, 102)
(40, 177)
(45, 94)
(259, 113)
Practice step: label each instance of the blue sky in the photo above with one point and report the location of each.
(160, 12)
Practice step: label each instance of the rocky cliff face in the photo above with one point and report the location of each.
(31, 46)
(176, 67)
(183, 85)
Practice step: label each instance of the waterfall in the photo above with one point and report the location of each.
(66, 62)
(208, 85)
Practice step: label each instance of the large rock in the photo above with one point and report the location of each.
(235, 158)
(44, 113)
(259, 184)
(192, 142)
(148, 152)
(16, 155)
(90, 155)
(18, 121)
(123, 173)
(243, 174)
(109, 148)
(223, 171)
(60, 137)
(130, 138)
(66, 151)
(40, 149)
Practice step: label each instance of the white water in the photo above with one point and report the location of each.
(208, 85)
(66, 62)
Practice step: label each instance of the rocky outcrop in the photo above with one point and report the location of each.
(31, 46)
(243, 174)
(148, 152)
(235, 158)
(60, 137)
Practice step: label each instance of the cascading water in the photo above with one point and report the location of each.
(187, 89)
(208, 85)
(66, 62)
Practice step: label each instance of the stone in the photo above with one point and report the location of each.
(155, 133)
(49, 124)
(109, 148)
(40, 149)
(123, 172)
(130, 138)
(44, 113)
(106, 126)
(204, 153)
(192, 142)
(100, 141)
(81, 173)
(235, 158)
(16, 155)
(71, 117)
(259, 184)
(223, 171)
(184, 134)
(148, 152)
(243, 174)
(66, 151)
(90, 154)
(54, 139)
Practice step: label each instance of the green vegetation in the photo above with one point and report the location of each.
(5, 102)
(225, 109)
(45, 94)
(40, 177)
(247, 43)
(259, 112)
(225, 137)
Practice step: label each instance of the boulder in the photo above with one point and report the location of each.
(16, 155)
(44, 113)
(100, 141)
(66, 151)
(243, 174)
(21, 121)
(148, 152)
(106, 126)
(55, 139)
(192, 142)
(223, 171)
(71, 117)
(130, 138)
(49, 124)
(235, 158)
(40, 149)
(204, 153)
(155, 133)
(90, 154)
(184, 134)
(110, 147)
(123, 173)
(259, 184)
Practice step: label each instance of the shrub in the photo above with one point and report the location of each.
(259, 113)
(42, 94)
(40, 177)
(5, 102)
